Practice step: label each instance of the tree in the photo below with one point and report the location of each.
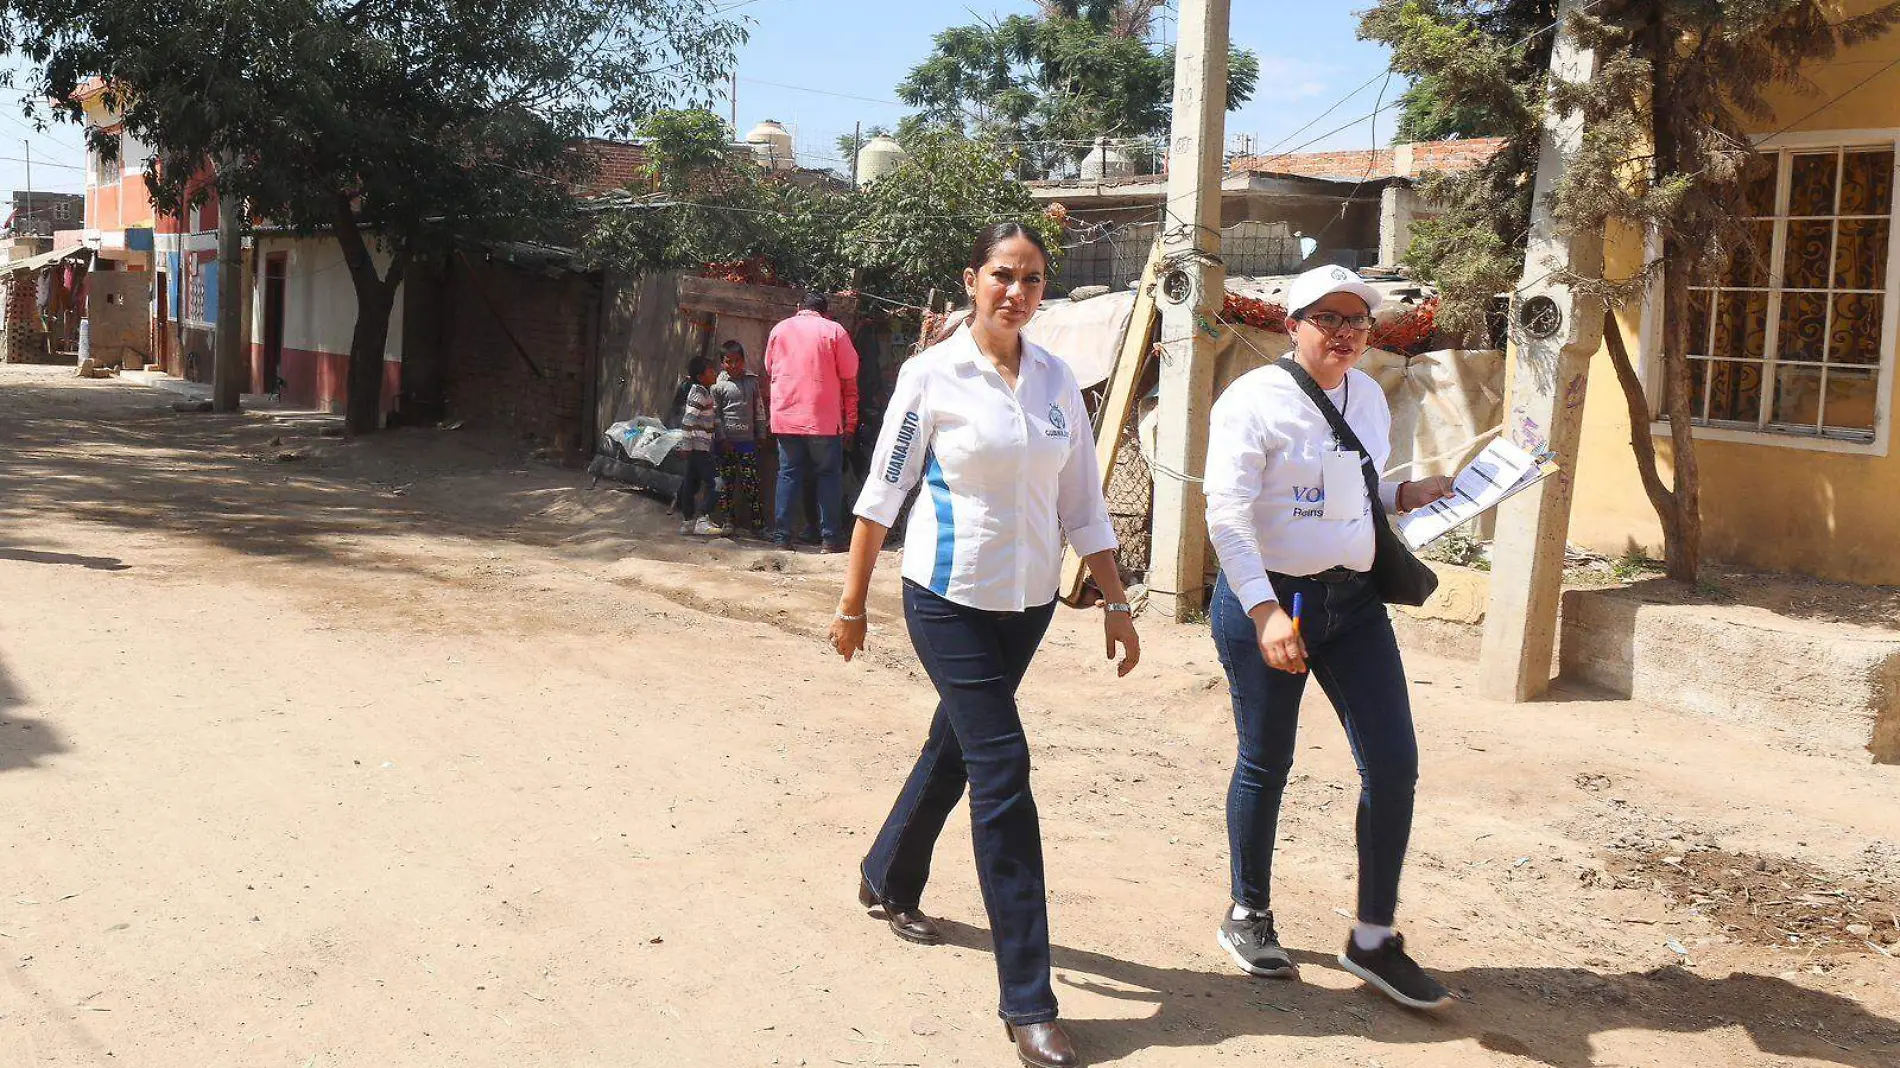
(1050, 84)
(395, 128)
(900, 237)
(1439, 104)
(1666, 151)
(708, 205)
(912, 228)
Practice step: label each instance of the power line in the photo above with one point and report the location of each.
(824, 92)
(1519, 43)
(43, 163)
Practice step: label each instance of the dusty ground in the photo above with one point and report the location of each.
(412, 752)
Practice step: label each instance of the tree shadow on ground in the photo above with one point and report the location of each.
(24, 741)
(90, 563)
(115, 456)
(1549, 1015)
(122, 458)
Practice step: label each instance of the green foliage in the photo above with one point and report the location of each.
(1634, 564)
(905, 234)
(1460, 548)
(1476, 73)
(1680, 87)
(913, 228)
(449, 118)
(713, 205)
(1482, 69)
(848, 144)
(1051, 83)
(411, 126)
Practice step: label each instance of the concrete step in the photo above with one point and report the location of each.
(1824, 686)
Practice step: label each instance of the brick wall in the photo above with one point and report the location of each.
(23, 340)
(498, 321)
(1450, 156)
(1454, 156)
(618, 164)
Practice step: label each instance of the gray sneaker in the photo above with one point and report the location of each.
(1255, 946)
(1394, 974)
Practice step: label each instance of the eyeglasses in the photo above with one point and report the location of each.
(1330, 322)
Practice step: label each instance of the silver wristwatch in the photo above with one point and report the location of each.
(1118, 606)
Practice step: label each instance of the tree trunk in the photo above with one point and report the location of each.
(375, 301)
(1682, 544)
(229, 367)
(1642, 441)
(1682, 525)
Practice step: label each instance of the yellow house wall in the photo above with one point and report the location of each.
(1764, 505)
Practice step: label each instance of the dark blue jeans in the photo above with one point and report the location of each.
(807, 457)
(1350, 648)
(698, 486)
(976, 659)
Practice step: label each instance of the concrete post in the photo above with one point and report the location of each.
(1398, 209)
(1554, 334)
(1190, 291)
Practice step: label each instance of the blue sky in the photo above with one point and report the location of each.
(1309, 55)
(835, 50)
(59, 156)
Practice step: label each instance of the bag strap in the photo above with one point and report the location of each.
(1340, 428)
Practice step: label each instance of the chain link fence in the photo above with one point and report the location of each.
(1131, 489)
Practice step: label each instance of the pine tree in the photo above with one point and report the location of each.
(1681, 86)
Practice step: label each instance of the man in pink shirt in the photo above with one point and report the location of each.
(811, 371)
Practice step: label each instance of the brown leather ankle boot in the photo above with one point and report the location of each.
(1043, 1045)
(907, 924)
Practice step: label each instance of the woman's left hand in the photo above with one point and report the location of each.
(847, 635)
(1119, 628)
(1423, 492)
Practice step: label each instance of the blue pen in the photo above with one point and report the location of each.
(1296, 614)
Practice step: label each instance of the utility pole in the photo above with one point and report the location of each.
(735, 104)
(1554, 335)
(32, 231)
(857, 145)
(228, 363)
(1191, 288)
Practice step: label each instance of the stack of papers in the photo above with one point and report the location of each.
(1500, 471)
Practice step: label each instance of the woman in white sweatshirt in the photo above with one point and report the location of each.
(1292, 522)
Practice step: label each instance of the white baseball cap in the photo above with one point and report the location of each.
(1315, 284)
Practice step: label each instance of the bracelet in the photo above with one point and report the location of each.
(1118, 606)
(842, 618)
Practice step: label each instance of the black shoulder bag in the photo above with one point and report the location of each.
(1400, 577)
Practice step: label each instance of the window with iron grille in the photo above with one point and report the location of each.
(1794, 340)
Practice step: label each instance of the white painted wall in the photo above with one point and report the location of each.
(319, 299)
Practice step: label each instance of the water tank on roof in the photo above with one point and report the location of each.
(1107, 161)
(880, 156)
(772, 146)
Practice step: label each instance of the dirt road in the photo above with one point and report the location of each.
(410, 751)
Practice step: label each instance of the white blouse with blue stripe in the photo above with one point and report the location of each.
(1008, 474)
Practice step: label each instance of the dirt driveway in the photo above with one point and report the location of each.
(410, 751)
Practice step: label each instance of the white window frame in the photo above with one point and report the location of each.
(1651, 332)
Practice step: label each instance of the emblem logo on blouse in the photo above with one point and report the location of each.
(1059, 423)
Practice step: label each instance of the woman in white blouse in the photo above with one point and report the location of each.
(1290, 516)
(996, 429)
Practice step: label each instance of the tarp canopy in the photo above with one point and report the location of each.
(45, 259)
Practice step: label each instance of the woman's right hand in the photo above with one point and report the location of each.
(847, 636)
(1280, 643)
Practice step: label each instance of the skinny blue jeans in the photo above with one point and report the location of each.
(1351, 650)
